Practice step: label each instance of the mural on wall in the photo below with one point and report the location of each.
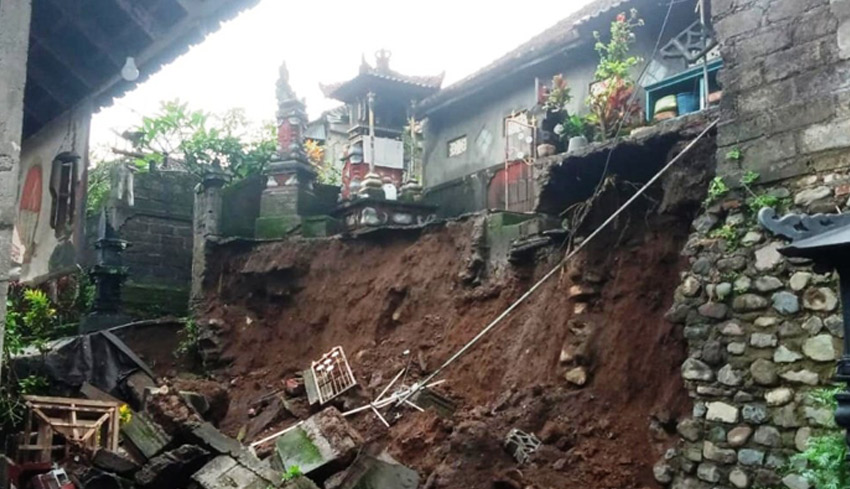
(28, 213)
(51, 180)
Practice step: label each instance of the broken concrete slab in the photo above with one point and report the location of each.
(135, 386)
(381, 472)
(207, 435)
(273, 412)
(224, 472)
(173, 468)
(91, 392)
(145, 437)
(300, 483)
(324, 441)
(97, 479)
(114, 462)
(197, 400)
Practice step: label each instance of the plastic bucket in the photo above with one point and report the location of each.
(688, 102)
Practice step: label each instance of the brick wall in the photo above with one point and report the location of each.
(159, 228)
(786, 78)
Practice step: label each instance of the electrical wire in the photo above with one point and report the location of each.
(495, 322)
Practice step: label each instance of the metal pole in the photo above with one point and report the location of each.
(706, 89)
(842, 374)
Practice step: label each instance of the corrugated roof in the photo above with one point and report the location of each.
(555, 38)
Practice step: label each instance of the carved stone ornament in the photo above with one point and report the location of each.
(800, 226)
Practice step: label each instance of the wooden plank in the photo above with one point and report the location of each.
(51, 407)
(38, 448)
(116, 429)
(93, 393)
(67, 401)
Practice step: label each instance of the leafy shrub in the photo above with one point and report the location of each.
(717, 188)
(825, 457)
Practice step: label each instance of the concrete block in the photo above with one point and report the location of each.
(208, 436)
(320, 226)
(738, 23)
(764, 97)
(275, 227)
(114, 462)
(381, 472)
(145, 437)
(173, 468)
(323, 441)
(795, 60)
(821, 137)
(225, 472)
(761, 43)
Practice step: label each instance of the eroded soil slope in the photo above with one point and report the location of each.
(280, 305)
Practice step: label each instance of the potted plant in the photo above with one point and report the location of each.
(576, 131)
(611, 102)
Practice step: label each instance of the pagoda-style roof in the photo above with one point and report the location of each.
(380, 78)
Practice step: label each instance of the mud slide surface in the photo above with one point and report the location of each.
(282, 304)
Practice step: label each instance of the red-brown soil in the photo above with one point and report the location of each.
(283, 304)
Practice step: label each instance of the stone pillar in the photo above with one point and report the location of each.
(14, 44)
(289, 188)
(206, 225)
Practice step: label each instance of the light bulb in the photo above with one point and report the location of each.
(130, 72)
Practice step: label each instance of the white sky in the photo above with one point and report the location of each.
(322, 41)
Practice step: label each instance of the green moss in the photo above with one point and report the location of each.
(319, 226)
(296, 448)
(275, 227)
(501, 219)
(148, 300)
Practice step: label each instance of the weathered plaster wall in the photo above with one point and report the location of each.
(786, 85)
(488, 109)
(763, 332)
(14, 42)
(43, 254)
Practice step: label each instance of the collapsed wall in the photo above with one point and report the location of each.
(588, 363)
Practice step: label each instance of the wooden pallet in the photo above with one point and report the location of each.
(55, 424)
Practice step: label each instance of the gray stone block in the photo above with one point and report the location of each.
(325, 439)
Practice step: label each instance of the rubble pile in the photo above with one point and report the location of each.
(171, 441)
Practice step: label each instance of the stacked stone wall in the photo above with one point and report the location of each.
(763, 333)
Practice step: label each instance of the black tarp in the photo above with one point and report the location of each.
(101, 359)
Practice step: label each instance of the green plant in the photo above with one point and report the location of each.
(615, 58)
(749, 177)
(825, 397)
(825, 455)
(757, 201)
(825, 458)
(203, 140)
(33, 384)
(727, 233)
(717, 188)
(190, 341)
(611, 101)
(734, 154)
(560, 95)
(293, 472)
